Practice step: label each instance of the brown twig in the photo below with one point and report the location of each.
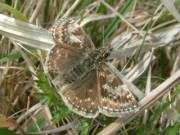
(11, 124)
(56, 130)
(36, 11)
(71, 9)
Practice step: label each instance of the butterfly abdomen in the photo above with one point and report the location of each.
(80, 70)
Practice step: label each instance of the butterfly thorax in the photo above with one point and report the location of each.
(91, 61)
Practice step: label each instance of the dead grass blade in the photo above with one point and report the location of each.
(172, 9)
(26, 33)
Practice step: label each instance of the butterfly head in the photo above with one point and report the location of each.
(100, 55)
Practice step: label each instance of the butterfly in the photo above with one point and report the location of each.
(81, 76)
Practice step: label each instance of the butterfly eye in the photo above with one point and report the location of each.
(106, 54)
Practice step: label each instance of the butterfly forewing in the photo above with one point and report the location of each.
(61, 61)
(72, 44)
(69, 34)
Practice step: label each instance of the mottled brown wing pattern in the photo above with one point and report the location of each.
(60, 60)
(69, 34)
(115, 99)
(71, 47)
(94, 90)
(72, 44)
(82, 97)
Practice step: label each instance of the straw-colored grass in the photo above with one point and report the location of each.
(145, 36)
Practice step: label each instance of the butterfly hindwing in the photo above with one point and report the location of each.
(115, 99)
(82, 97)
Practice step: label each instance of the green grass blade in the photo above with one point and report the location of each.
(16, 13)
(9, 58)
(6, 131)
(115, 22)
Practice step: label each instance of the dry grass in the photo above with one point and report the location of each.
(146, 36)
